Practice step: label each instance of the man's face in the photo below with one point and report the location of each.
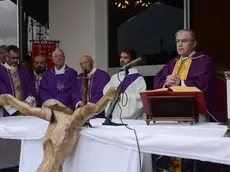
(12, 58)
(125, 59)
(40, 64)
(184, 44)
(2, 55)
(59, 58)
(86, 63)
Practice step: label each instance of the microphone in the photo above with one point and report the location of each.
(131, 64)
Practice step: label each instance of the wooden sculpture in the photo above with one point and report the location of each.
(64, 127)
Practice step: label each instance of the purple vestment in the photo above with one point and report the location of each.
(98, 81)
(201, 75)
(6, 84)
(33, 90)
(62, 87)
(129, 80)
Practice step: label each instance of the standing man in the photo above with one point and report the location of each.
(14, 79)
(97, 80)
(60, 82)
(190, 69)
(130, 105)
(2, 54)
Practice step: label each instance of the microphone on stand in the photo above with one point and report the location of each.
(131, 64)
(119, 89)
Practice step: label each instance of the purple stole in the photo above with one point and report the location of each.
(129, 80)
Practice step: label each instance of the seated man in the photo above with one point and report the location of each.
(60, 82)
(14, 79)
(191, 69)
(40, 66)
(98, 80)
(129, 106)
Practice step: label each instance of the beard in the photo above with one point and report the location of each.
(40, 70)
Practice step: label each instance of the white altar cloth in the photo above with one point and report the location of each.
(111, 145)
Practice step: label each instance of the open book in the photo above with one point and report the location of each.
(174, 91)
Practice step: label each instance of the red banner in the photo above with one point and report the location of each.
(43, 48)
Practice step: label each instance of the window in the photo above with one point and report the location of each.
(148, 26)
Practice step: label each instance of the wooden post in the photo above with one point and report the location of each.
(85, 95)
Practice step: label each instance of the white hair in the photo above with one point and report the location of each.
(191, 35)
(58, 50)
(88, 56)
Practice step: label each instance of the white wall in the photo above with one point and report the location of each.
(81, 27)
(9, 41)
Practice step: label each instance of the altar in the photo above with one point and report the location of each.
(108, 148)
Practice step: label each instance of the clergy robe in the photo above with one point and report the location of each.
(130, 105)
(62, 87)
(196, 71)
(98, 80)
(8, 81)
(34, 88)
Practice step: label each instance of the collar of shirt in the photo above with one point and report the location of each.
(131, 71)
(188, 57)
(60, 71)
(6, 65)
(92, 72)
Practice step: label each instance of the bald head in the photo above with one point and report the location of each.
(40, 64)
(86, 62)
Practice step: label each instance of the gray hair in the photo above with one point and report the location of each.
(88, 56)
(191, 35)
(58, 50)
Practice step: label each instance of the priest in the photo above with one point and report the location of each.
(40, 66)
(97, 79)
(14, 79)
(60, 82)
(129, 105)
(191, 69)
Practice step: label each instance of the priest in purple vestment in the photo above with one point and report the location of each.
(60, 82)
(98, 80)
(40, 66)
(191, 69)
(14, 79)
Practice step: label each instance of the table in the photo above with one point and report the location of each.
(114, 148)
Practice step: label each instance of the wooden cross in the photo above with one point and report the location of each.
(85, 94)
(64, 126)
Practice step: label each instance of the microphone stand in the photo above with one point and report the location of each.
(114, 103)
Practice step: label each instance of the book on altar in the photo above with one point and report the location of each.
(174, 91)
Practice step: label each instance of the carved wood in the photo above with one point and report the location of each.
(64, 128)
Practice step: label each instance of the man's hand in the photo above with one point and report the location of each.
(172, 80)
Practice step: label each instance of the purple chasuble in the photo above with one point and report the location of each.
(6, 84)
(98, 81)
(33, 91)
(62, 87)
(201, 74)
(129, 80)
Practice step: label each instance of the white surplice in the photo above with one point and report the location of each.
(130, 105)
